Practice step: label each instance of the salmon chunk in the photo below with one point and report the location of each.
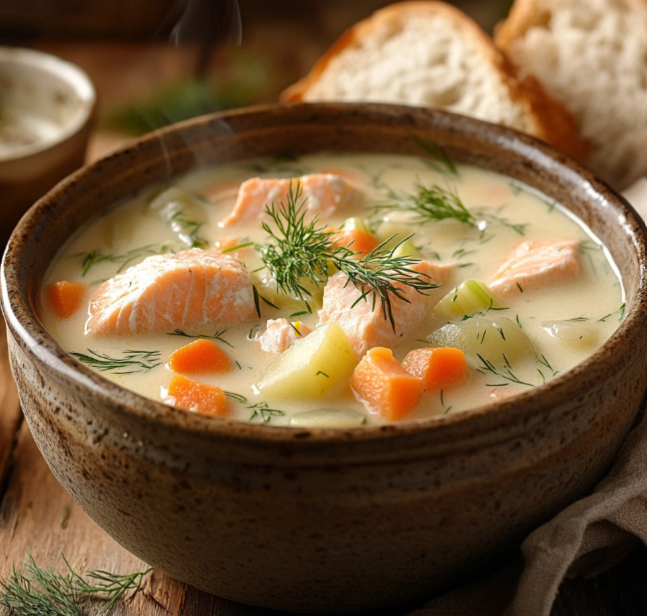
(190, 289)
(534, 264)
(366, 327)
(324, 194)
(280, 334)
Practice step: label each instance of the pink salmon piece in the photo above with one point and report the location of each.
(366, 327)
(280, 334)
(324, 194)
(190, 289)
(532, 265)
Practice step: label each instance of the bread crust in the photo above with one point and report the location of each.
(550, 120)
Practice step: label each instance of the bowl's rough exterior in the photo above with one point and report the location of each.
(323, 520)
(43, 87)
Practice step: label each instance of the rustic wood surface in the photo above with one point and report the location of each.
(38, 516)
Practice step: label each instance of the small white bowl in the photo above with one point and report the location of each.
(46, 110)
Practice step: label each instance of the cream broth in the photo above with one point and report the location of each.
(586, 307)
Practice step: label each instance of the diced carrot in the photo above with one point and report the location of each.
(383, 385)
(437, 368)
(197, 397)
(357, 240)
(198, 357)
(65, 297)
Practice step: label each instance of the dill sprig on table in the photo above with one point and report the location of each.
(36, 591)
(300, 252)
(131, 362)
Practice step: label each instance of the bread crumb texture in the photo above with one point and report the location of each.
(591, 55)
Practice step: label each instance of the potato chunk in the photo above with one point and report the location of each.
(312, 366)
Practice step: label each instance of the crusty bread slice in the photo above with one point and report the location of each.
(591, 55)
(432, 54)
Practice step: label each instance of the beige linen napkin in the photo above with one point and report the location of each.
(584, 539)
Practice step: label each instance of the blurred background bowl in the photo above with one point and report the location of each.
(46, 110)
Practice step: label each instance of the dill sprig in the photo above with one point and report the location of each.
(439, 161)
(90, 259)
(188, 229)
(301, 251)
(218, 335)
(428, 204)
(262, 411)
(505, 373)
(131, 362)
(36, 591)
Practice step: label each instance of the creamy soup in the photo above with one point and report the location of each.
(427, 289)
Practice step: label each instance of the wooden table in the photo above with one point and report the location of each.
(36, 514)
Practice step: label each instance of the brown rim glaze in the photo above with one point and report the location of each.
(241, 134)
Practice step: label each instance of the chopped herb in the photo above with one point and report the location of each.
(238, 364)
(235, 396)
(253, 332)
(578, 319)
(518, 321)
(487, 367)
(517, 227)
(515, 189)
(322, 373)
(188, 229)
(262, 411)
(621, 310)
(131, 362)
(542, 360)
(216, 336)
(519, 287)
(90, 259)
(66, 516)
(301, 251)
(35, 591)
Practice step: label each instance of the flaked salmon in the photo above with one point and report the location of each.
(532, 264)
(323, 194)
(364, 324)
(190, 289)
(281, 334)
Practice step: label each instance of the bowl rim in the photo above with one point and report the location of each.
(22, 322)
(67, 72)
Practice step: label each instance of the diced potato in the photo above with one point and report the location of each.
(578, 334)
(312, 366)
(396, 234)
(469, 297)
(328, 418)
(498, 339)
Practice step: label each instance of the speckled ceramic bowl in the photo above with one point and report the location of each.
(46, 111)
(323, 520)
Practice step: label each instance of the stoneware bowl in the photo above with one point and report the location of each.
(322, 519)
(46, 110)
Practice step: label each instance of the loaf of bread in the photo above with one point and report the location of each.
(591, 55)
(431, 54)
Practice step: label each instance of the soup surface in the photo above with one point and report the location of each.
(376, 288)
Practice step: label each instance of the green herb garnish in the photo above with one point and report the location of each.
(91, 259)
(487, 367)
(263, 412)
(216, 336)
(131, 362)
(35, 591)
(301, 251)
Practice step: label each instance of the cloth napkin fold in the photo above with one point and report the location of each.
(588, 537)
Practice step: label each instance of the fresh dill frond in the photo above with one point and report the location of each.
(37, 591)
(428, 204)
(263, 412)
(131, 362)
(218, 335)
(299, 253)
(90, 259)
(234, 396)
(487, 367)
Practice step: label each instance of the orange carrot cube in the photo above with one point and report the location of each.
(199, 357)
(359, 241)
(197, 397)
(384, 386)
(65, 297)
(437, 368)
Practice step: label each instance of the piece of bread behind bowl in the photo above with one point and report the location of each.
(431, 54)
(591, 55)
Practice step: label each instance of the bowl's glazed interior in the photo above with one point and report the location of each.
(323, 520)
